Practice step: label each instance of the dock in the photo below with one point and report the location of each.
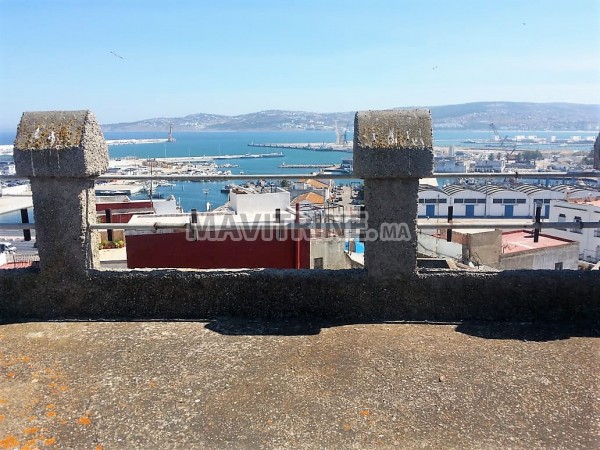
(119, 188)
(184, 159)
(306, 146)
(306, 166)
(113, 142)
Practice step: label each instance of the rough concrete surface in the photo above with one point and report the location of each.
(434, 295)
(65, 241)
(60, 144)
(393, 144)
(391, 205)
(234, 383)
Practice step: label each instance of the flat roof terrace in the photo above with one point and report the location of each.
(522, 240)
(239, 383)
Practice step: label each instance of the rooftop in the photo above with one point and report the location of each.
(310, 197)
(298, 384)
(522, 240)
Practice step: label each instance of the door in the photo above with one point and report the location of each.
(546, 211)
(470, 210)
(509, 210)
(430, 210)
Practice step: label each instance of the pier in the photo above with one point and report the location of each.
(114, 142)
(209, 158)
(307, 166)
(307, 146)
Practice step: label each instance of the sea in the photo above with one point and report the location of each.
(198, 194)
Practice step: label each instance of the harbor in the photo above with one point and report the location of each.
(324, 147)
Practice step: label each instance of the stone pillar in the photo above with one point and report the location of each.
(61, 152)
(392, 150)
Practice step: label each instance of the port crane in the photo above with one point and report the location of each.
(502, 141)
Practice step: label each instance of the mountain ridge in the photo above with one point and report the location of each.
(523, 116)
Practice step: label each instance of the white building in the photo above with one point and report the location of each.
(485, 165)
(433, 201)
(467, 202)
(448, 164)
(576, 193)
(574, 210)
(243, 201)
(505, 202)
(539, 196)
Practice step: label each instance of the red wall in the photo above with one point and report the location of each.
(174, 250)
(137, 204)
(127, 208)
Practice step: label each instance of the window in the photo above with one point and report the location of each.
(546, 201)
(481, 200)
(597, 232)
(497, 200)
(562, 218)
(459, 200)
(521, 200)
(510, 201)
(470, 200)
(558, 266)
(577, 229)
(318, 263)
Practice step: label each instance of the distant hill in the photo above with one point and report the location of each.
(467, 116)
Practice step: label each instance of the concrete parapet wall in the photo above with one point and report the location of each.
(350, 295)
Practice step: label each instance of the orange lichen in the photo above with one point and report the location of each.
(25, 359)
(31, 418)
(2, 417)
(32, 430)
(49, 441)
(51, 414)
(84, 420)
(347, 427)
(30, 445)
(98, 447)
(50, 406)
(365, 412)
(11, 374)
(9, 442)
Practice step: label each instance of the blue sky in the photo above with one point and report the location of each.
(239, 56)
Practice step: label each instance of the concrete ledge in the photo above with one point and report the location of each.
(347, 295)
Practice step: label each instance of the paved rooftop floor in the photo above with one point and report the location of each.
(238, 384)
